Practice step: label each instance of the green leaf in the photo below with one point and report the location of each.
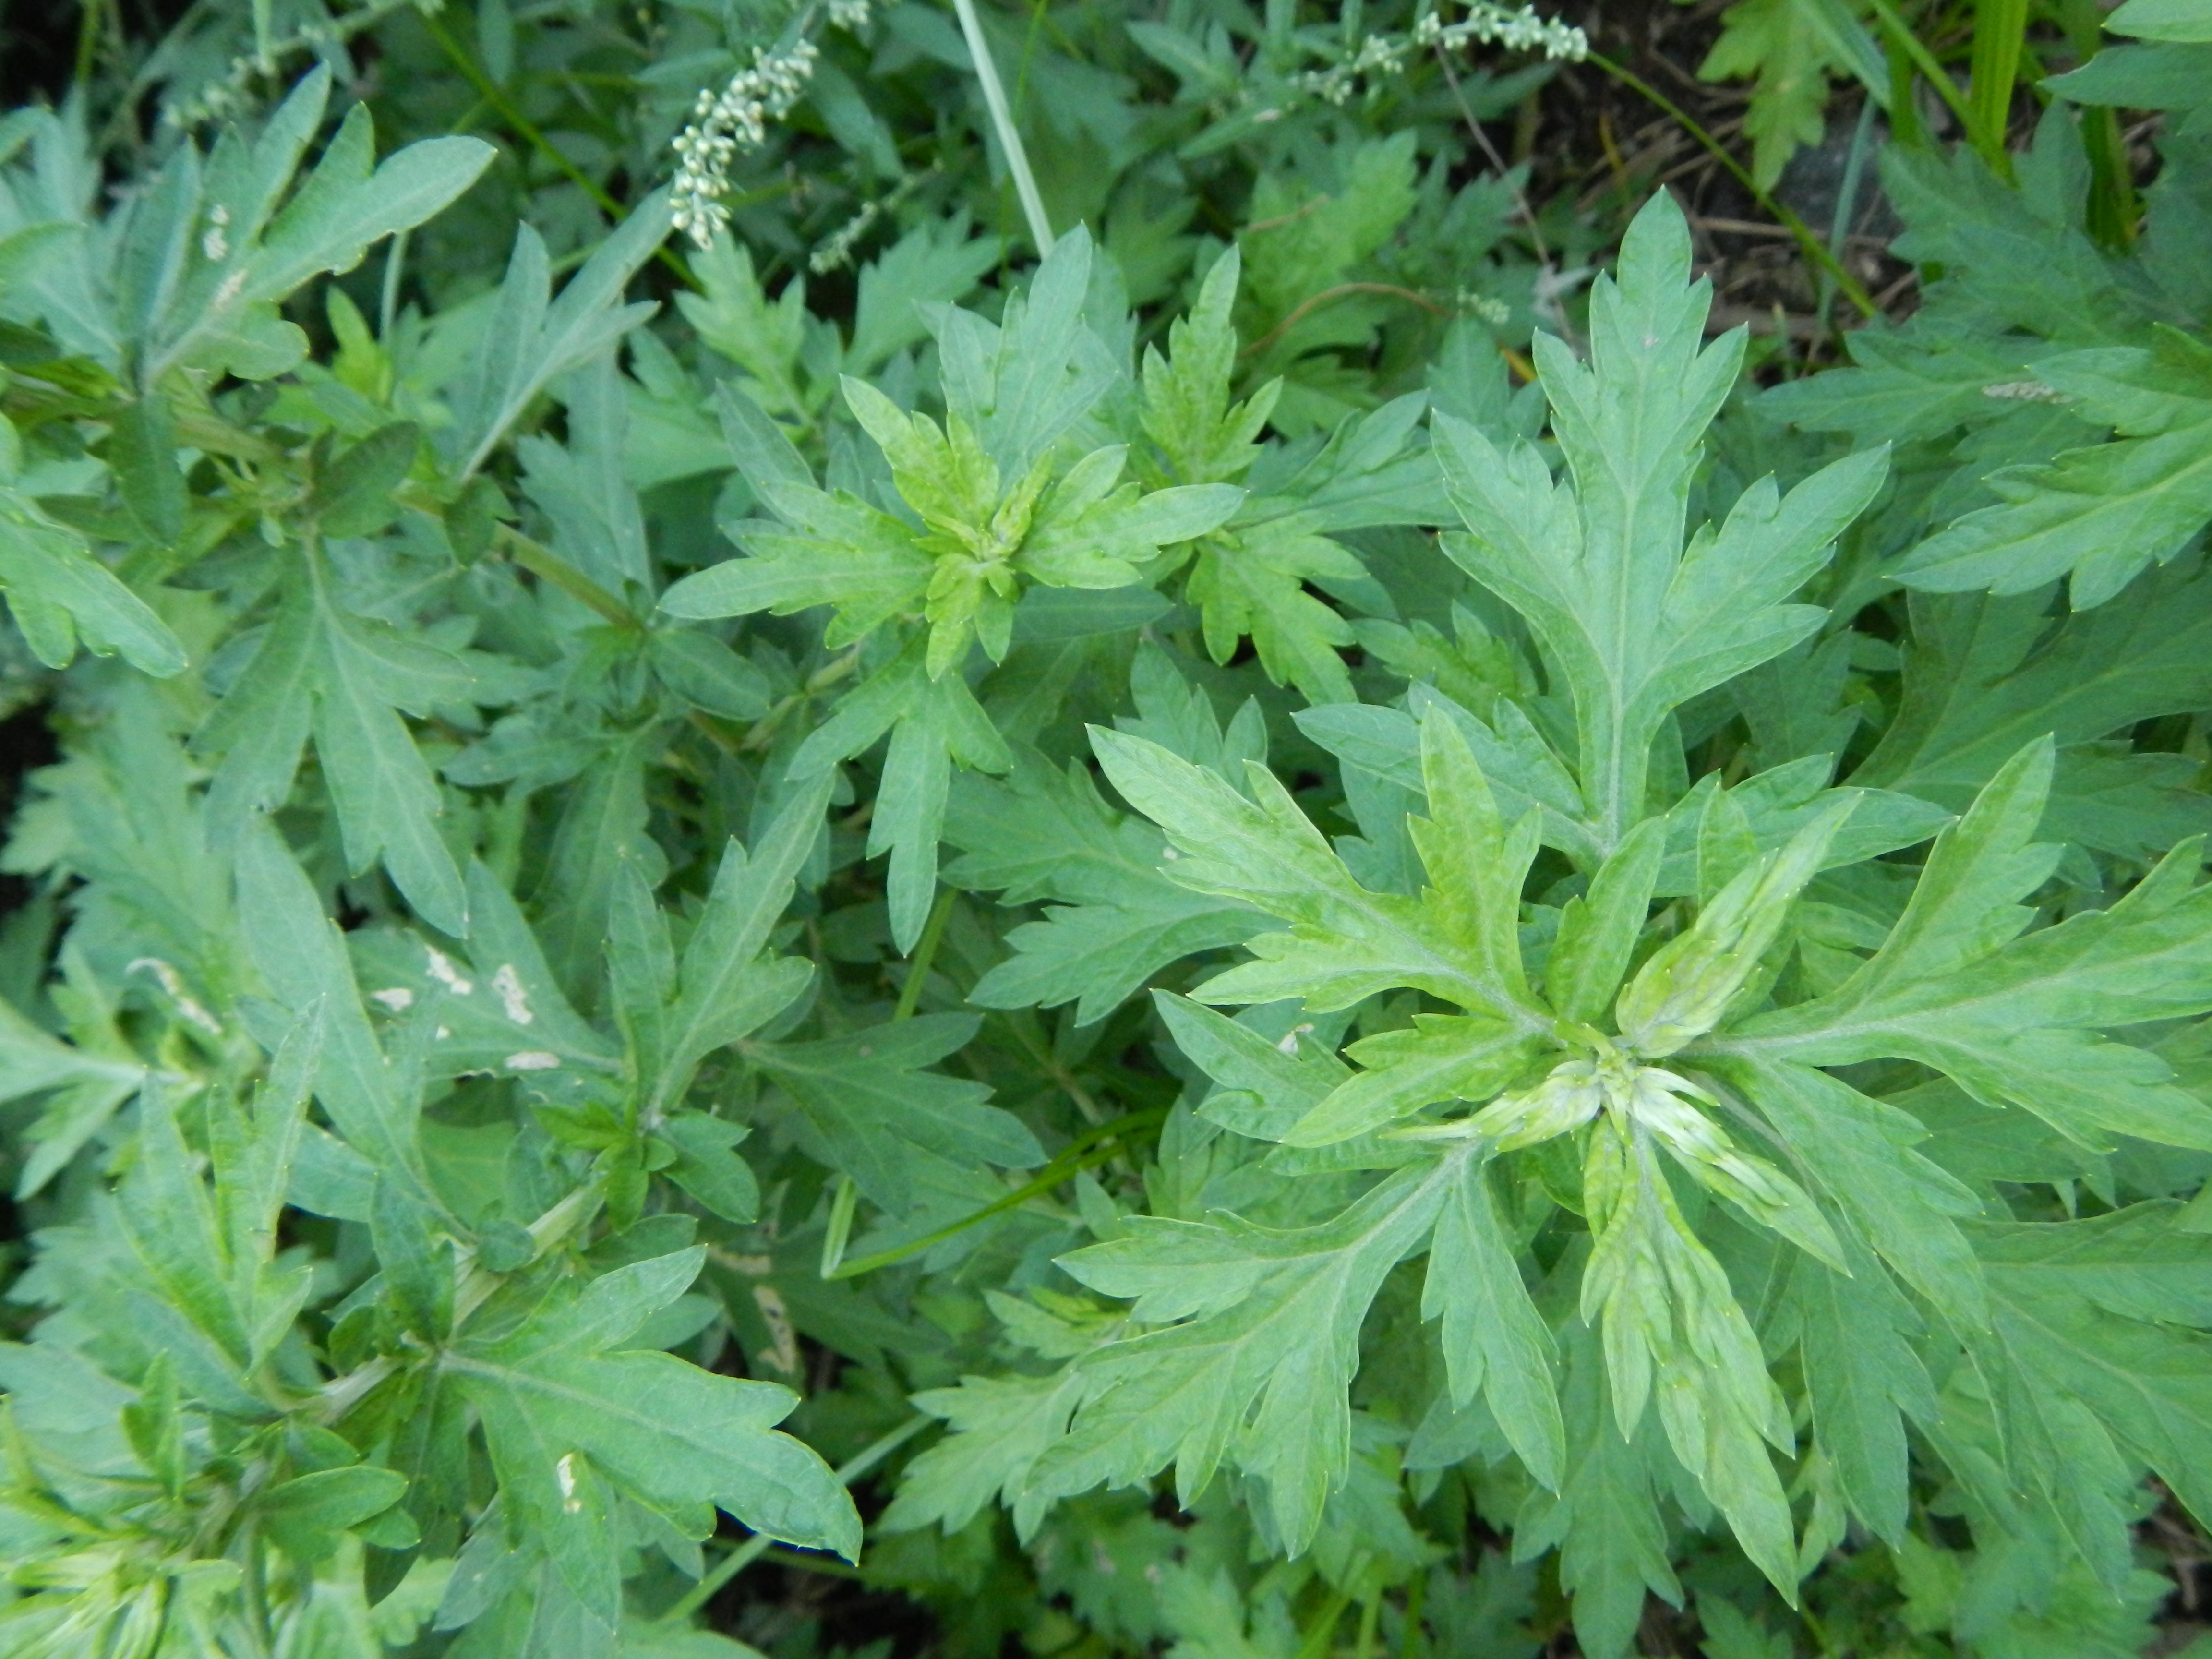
(1605, 1519)
(728, 988)
(1855, 1335)
(2099, 514)
(1002, 1426)
(354, 495)
(58, 593)
(302, 958)
(2016, 1018)
(933, 723)
(2163, 19)
(141, 450)
(1790, 48)
(323, 671)
(1257, 1371)
(1860, 1153)
(933, 263)
(707, 1167)
(530, 337)
(1203, 435)
(1346, 941)
(1637, 623)
(306, 1514)
(1113, 920)
(1983, 676)
(222, 315)
(1495, 1343)
(569, 1413)
(880, 1116)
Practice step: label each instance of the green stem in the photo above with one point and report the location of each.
(1084, 1152)
(2000, 26)
(543, 562)
(1904, 122)
(1370, 1612)
(387, 307)
(844, 1200)
(1416, 1595)
(760, 1543)
(512, 116)
(1002, 121)
(1324, 1631)
(925, 952)
(87, 41)
(1901, 35)
(1811, 245)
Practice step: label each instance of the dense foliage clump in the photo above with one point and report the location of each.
(1216, 911)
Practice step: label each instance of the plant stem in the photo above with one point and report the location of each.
(1847, 201)
(511, 114)
(1084, 1152)
(2000, 26)
(1813, 248)
(1002, 123)
(543, 562)
(1901, 35)
(925, 951)
(760, 1543)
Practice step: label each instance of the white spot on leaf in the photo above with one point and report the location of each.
(508, 985)
(443, 970)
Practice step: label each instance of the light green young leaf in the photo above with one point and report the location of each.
(1345, 941)
(1598, 930)
(1686, 988)
(1673, 1327)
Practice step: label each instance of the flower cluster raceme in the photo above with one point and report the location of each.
(232, 95)
(1524, 30)
(723, 124)
(1381, 56)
